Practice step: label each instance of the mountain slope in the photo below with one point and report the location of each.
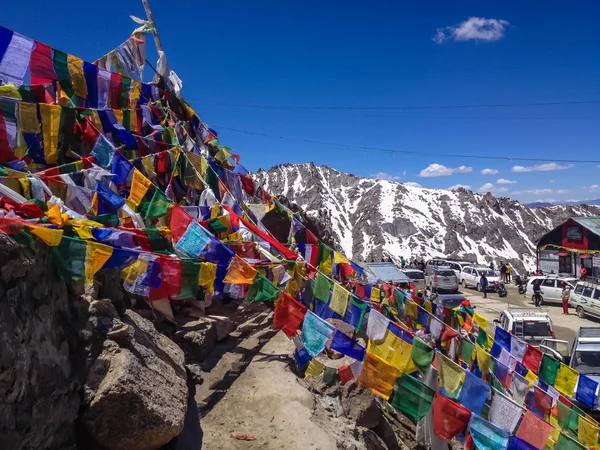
(371, 219)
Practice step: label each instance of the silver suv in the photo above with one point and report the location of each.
(442, 279)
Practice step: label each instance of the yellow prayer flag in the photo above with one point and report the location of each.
(96, 255)
(215, 210)
(10, 91)
(483, 359)
(376, 295)
(139, 186)
(148, 165)
(24, 182)
(531, 377)
(410, 308)
(56, 218)
(394, 351)
(206, 278)
(135, 92)
(239, 272)
(566, 379)
(450, 374)
(84, 232)
(339, 299)
(135, 270)
(28, 118)
(338, 258)
(222, 155)
(314, 369)
(378, 376)
(490, 341)
(77, 77)
(481, 321)
(49, 236)
(119, 115)
(325, 265)
(50, 115)
(587, 433)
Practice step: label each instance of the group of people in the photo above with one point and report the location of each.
(505, 271)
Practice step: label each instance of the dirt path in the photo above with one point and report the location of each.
(251, 389)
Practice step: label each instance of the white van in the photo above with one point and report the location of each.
(551, 287)
(585, 298)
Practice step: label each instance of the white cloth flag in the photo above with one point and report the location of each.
(517, 348)
(508, 360)
(519, 387)
(377, 325)
(504, 413)
(436, 327)
(15, 62)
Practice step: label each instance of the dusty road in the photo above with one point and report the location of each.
(565, 327)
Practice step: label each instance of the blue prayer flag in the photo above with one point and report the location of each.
(474, 394)
(347, 346)
(302, 357)
(586, 391)
(103, 151)
(502, 337)
(487, 435)
(120, 168)
(323, 310)
(120, 258)
(501, 371)
(354, 314)
(496, 350)
(108, 201)
(519, 444)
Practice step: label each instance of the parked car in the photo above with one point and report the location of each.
(458, 266)
(442, 279)
(432, 264)
(551, 287)
(471, 275)
(447, 300)
(417, 277)
(533, 325)
(585, 298)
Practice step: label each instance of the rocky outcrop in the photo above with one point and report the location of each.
(198, 337)
(371, 219)
(135, 394)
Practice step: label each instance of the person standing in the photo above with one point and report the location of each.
(566, 292)
(402, 261)
(508, 272)
(503, 271)
(582, 273)
(483, 283)
(537, 292)
(492, 266)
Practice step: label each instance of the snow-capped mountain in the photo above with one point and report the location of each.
(371, 219)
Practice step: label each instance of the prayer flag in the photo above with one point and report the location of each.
(586, 391)
(534, 430)
(97, 254)
(49, 236)
(240, 272)
(77, 76)
(394, 351)
(139, 186)
(322, 287)
(410, 309)
(566, 380)
(519, 387)
(376, 295)
(412, 397)
(504, 413)
(159, 205)
(542, 401)
(422, 354)
(566, 443)
(532, 358)
(587, 433)
(377, 325)
(450, 375)
(502, 337)
(50, 115)
(347, 346)
(467, 348)
(345, 374)
(103, 151)
(474, 393)
(193, 241)
(449, 418)
(302, 357)
(339, 299)
(355, 313)
(316, 333)
(486, 435)
(314, 369)
(480, 321)
(483, 360)
(517, 443)
(262, 290)
(378, 376)
(517, 348)
(120, 168)
(288, 315)
(549, 368)
(208, 273)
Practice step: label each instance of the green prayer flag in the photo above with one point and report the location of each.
(190, 270)
(482, 338)
(69, 259)
(110, 220)
(61, 67)
(566, 443)
(125, 87)
(411, 397)
(330, 376)
(363, 308)
(399, 296)
(497, 385)
(549, 369)
(159, 205)
(157, 241)
(262, 290)
(216, 226)
(422, 354)
(322, 287)
(466, 350)
(485, 412)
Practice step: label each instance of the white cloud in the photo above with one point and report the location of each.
(552, 181)
(439, 170)
(593, 187)
(537, 191)
(412, 183)
(516, 193)
(546, 200)
(489, 187)
(456, 186)
(404, 173)
(385, 176)
(562, 191)
(504, 181)
(541, 167)
(489, 172)
(472, 29)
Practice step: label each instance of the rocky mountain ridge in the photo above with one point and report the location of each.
(372, 219)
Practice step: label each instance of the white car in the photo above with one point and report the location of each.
(551, 287)
(586, 299)
(470, 275)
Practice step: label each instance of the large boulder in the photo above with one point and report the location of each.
(135, 394)
(198, 337)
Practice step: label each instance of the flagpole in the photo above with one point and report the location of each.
(153, 25)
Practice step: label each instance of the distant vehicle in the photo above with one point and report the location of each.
(417, 277)
(447, 300)
(442, 279)
(551, 287)
(457, 266)
(432, 264)
(471, 275)
(530, 324)
(585, 298)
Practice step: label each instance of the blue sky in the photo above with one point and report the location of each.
(388, 53)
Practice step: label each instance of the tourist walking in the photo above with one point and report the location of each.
(483, 283)
(566, 293)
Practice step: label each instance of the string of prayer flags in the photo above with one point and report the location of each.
(487, 435)
(474, 393)
(449, 418)
(534, 430)
(239, 272)
(347, 346)
(262, 290)
(316, 333)
(566, 380)
(412, 397)
(288, 314)
(314, 369)
(422, 354)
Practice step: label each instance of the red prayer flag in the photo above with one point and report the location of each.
(532, 358)
(449, 418)
(170, 274)
(288, 315)
(534, 430)
(41, 65)
(345, 374)
(6, 153)
(448, 334)
(542, 401)
(116, 86)
(360, 290)
(179, 222)
(247, 184)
